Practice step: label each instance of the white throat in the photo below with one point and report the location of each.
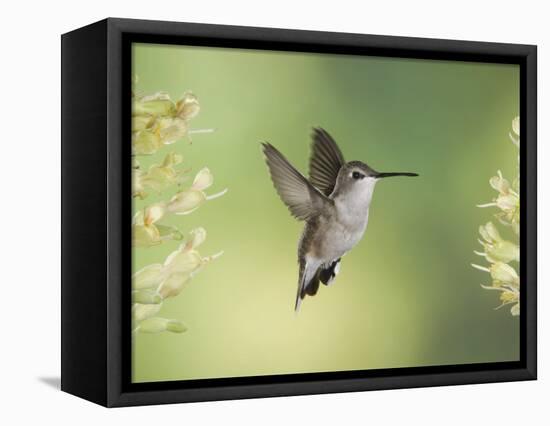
(353, 205)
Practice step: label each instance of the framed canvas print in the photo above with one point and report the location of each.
(253, 212)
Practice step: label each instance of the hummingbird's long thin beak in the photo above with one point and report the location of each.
(390, 174)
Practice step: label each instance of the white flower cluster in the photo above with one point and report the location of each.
(158, 121)
(154, 283)
(496, 250)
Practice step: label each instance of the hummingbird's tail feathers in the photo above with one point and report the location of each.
(309, 289)
(299, 293)
(313, 286)
(308, 282)
(299, 297)
(327, 275)
(302, 199)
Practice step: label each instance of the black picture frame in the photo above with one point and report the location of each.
(96, 352)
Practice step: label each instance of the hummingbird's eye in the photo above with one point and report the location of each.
(357, 175)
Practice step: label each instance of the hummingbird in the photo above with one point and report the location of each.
(334, 204)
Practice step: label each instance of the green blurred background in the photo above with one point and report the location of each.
(406, 295)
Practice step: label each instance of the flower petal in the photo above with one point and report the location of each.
(172, 129)
(492, 232)
(157, 104)
(137, 184)
(185, 202)
(141, 122)
(154, 213)
(500, 184)
(146, 297)
(196, 237)
(146, 142)
(138, 218)
(504, 273)
(203, 179)
(173, 285)
(515, 125)
(183, 262)
(188, 107)
(172, 159)
(507, 202)
(148, 277)
(145, 235)
(141, 312)
(505, 252)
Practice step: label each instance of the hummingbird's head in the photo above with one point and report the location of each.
(357, 177)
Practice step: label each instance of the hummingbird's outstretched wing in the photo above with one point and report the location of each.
(302, 199)
(325, 162)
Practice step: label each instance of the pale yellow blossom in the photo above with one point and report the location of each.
(507, 201)
(158, 121)
(141, 312)
(187, 201)
(169, 278)
(515, 128)
(145, 230)
(149, 277)
(203, 180)
(506, 280)
(173, 285)
(496, 248)
(159, 177)
(146, 297)
(146, 142)
(196, 237)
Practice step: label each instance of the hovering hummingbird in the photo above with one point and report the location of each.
(334, 203)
